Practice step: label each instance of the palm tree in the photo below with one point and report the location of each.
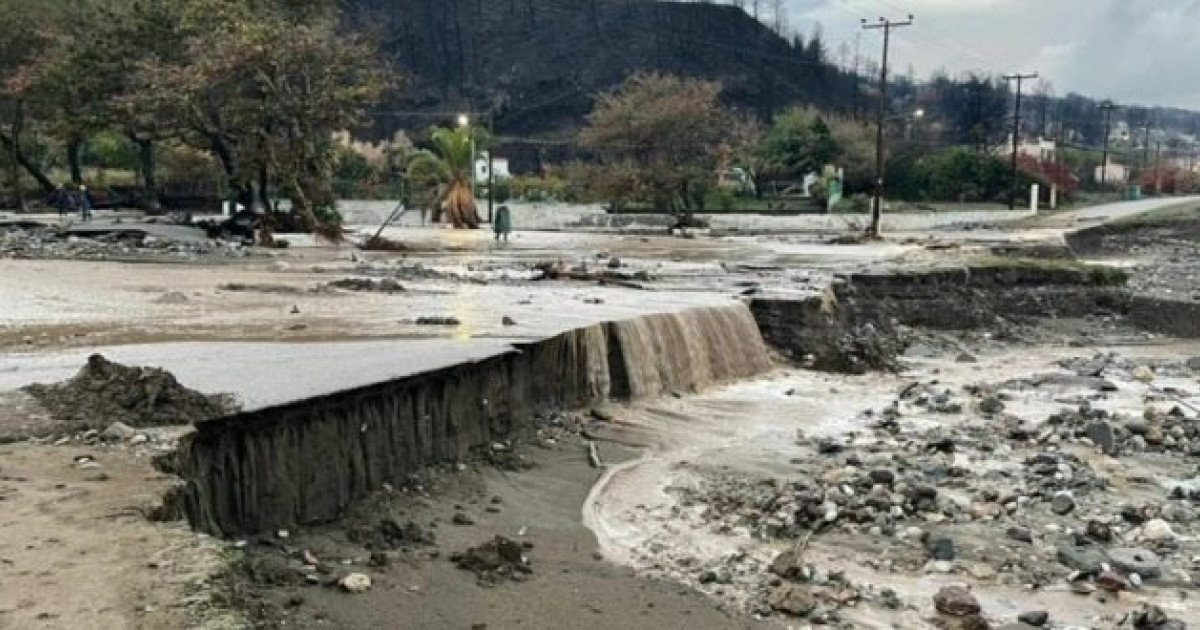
(450, 166)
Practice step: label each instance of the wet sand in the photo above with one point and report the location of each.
(570, 588)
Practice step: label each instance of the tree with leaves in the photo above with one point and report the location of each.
(450, 169)
(664, 136)
(26, 34)
(94, 81)
(264, 88)
(798, 142)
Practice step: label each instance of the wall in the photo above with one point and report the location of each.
(586, 217)
(310, 460)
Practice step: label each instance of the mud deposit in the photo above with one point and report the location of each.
(104, 392)
(1042, 479)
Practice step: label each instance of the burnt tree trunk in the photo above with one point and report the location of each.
(146, 164)
(75, 159)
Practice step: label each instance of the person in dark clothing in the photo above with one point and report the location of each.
(85, 204)
(63, 201)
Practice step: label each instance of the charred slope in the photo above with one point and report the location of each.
(538, 64)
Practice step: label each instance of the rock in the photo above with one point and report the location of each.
(171, 297)
(966, 357)
(1144, 562)
(1143, 373)
(882, 476)
(792, 599)
(118, 431)
(508, 321)
(494, 561)
(1036, 618)
(1154, 436)
(438, 321)
(1087, 561)
(1099, 531)
(355, 583)
(991, 405)
(956, 601)
(1062, 504)
(1082, 588)
(614, 263)
(829, 446)
(940, 547)
(1112, 581)
(1148, 617)
(1193, 364)
(1157, 531)
(789, 564)
(1022, 534)
(1103, 435)
(974, 622)
(461, 519)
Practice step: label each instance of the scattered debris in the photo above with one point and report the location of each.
(355, 583)
(495, 561)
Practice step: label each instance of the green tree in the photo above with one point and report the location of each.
(264, 88)
(659, 139)
(26, 35)
(449, 168)
(94, 82)
(799, 142)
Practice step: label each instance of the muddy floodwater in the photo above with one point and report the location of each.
(667, 513)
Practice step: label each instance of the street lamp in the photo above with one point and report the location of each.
(464, 122)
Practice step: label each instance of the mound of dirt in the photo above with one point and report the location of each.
(495, 561)
(104, 392)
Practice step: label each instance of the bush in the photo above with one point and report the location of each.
(724, 198)
(501, 190)
(854, 204)
(538, 188)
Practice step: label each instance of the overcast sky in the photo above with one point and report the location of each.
(1143, 52)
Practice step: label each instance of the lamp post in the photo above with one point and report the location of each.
(464, 121)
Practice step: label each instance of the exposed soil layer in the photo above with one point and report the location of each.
(309, 461)
(860, 324)
(104, 392)
(1160, 248)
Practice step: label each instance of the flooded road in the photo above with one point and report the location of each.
(652, 513)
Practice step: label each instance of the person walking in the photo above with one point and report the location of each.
(85, 203)
(502, 225)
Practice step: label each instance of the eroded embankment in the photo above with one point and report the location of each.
(853, 326)
(308, 461)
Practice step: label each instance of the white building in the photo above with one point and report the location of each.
(1115, 173)
(1042, 150)
(499, 169)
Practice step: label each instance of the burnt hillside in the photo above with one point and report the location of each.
(538, 64)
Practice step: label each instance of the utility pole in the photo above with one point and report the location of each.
(1016, 133)
(1157, 161)
(1146, 145)
(857, 58)
(881, 118)
(1107, 108)
(490, 163)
